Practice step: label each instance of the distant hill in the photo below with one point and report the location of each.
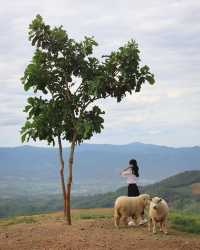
(34, 171)
(175, 189)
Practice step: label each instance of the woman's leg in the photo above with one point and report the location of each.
(133, 190)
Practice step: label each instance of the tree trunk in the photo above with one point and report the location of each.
(69, 179)
(62, 177)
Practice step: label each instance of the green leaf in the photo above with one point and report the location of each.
(150, 79)
(65, 80)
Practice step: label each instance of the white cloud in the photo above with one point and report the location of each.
(168, 33)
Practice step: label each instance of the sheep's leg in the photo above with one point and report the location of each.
(132, 217)
(116, 220)
(154, 226)
(149, 224)
(165, 227)
(161, 226)
(125, 220)
(138, 219)
(142, 215)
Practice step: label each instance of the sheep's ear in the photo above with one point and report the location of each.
(160, 200)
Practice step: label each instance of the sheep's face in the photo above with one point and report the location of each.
(146, 199)
(155, 202)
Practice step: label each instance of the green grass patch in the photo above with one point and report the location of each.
(17, 220)
(95, 216)
(92, 214)
(76, 214)
(185, 221)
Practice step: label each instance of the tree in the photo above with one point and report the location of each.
(67, 80)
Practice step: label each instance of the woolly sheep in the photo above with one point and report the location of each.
(158, 212)
(133, 207)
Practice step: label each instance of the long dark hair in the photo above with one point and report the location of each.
(134, 167)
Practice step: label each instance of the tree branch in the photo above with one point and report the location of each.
(91, 101)
(78, 88)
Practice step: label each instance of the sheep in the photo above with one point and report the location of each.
(133, 207)
(158, 212)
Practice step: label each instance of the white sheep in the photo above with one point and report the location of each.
(133, 207)
(158, 212)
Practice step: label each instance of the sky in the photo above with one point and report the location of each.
(168, 35)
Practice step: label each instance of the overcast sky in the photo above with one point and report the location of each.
(168, 34)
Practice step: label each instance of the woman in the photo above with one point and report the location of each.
(132, 174)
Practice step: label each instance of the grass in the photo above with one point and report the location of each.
(181, 221)
(77, 214)
(185, 221)
(18, 220)
(93, 216)
(102, 213)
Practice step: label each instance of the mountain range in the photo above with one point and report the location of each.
(96, 166)
(176, 190)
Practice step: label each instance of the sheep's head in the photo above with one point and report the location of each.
(145, 199)
(155, 202)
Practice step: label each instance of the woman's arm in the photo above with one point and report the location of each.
(125, 172)
(126, 169)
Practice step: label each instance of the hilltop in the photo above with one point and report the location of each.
(92, 229)
(177, 190)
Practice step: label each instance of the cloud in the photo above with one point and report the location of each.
(168, 34)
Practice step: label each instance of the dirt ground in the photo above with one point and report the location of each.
(90, 234)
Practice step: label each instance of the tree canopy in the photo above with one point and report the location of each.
(69, 79)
